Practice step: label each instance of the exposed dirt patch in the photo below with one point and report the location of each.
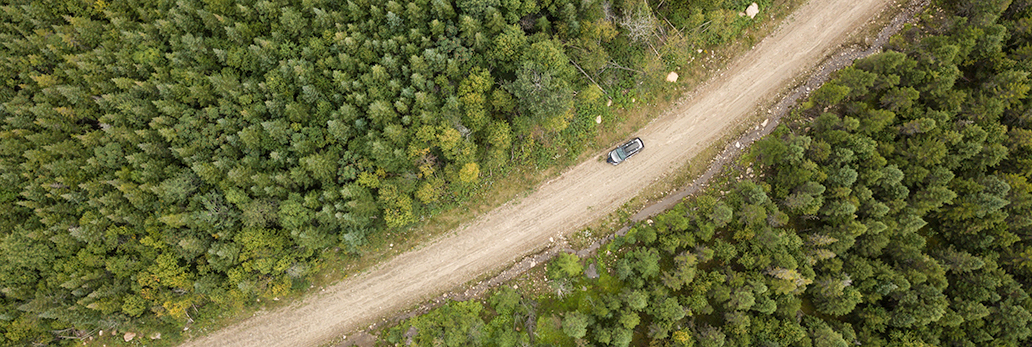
(583, 193)
(359, 339)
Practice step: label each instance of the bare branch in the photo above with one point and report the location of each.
(614, 64)
(589, 77)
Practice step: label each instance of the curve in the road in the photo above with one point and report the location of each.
(582, 194)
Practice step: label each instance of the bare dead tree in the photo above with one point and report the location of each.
(639, 23)
(607, 9)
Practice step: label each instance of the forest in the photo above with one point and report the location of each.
(163, 158)
(894, 208)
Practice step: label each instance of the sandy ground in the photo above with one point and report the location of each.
(583, 193)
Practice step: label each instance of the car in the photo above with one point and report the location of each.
(625, 151)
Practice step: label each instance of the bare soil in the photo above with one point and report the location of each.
(585, 192)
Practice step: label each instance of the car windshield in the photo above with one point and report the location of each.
(620, 153)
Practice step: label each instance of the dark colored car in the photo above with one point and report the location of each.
(625, 151)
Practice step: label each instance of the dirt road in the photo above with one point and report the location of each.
(583, 193)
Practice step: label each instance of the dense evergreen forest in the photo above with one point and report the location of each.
(896, 210)
(157, 157)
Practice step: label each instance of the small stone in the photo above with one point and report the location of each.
(598, 119)
(738, 144)
(752, 10)
(155, 336)
(100, 333)
(764, 122)
(129, 337)
(671, 77)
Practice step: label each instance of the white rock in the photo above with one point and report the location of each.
(598, 119)
(752, 10)
(155, 336)
(671, 77)
(764, 122)
(738, 144)
(129, 336)
(609, 102)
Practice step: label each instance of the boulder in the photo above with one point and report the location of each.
(752, 10)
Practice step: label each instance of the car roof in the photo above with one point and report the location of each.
(634, 144)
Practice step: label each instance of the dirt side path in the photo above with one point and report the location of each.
(582, 194)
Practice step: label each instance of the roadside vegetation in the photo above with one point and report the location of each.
(893, 210)
(166, 162)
